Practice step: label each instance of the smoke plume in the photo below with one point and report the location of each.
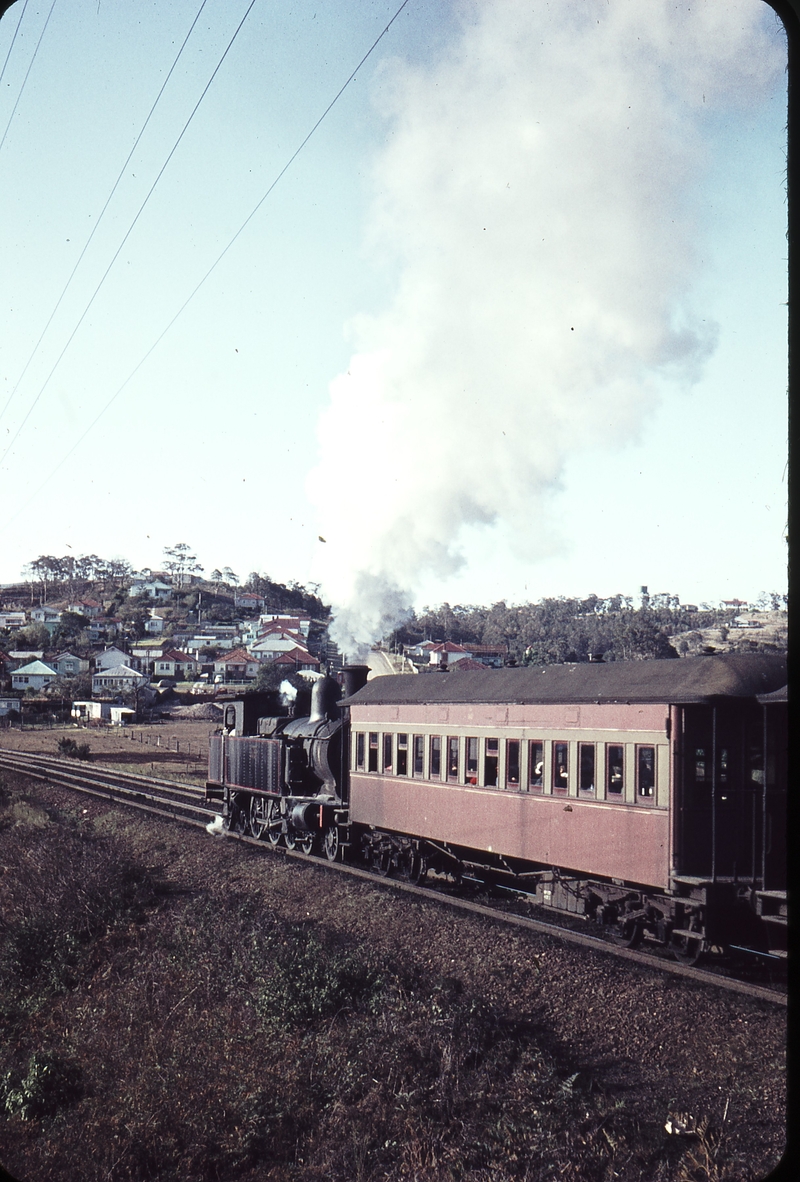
(533, 204)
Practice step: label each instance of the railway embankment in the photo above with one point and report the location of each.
(177, 1005)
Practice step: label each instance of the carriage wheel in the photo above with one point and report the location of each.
(627, 933)
(687, 949)
(413, 866)
(382, 860)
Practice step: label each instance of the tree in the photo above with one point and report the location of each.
(181, 562)
(69, 627)
(34, 637)
(230, 578)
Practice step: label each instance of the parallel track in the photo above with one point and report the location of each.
(186, 803)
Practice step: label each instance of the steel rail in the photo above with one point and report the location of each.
(132, 790)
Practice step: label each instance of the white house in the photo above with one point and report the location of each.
(155, 625)
(150, 589)
(118, 680)
(110, 658)
(9, 704)
(447, 653)
(35, 675)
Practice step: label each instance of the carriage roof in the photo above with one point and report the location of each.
(685, 680)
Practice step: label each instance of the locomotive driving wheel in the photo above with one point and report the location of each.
(305, 842)
(259, 816)
(330, 843)
(274, 823)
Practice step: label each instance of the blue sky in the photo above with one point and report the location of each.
(651, 450)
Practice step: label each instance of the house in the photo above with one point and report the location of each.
(48, 616)
(247, 599)
(144, 653)
(118, 680)
(466, 665)
(35, 675)
(150, 589)
(493, 655)
(86, 607)
(238, 665)
(174, 663)
(110, 658)
(300, 623)
(155, 625)
(447, 653)
(270, 647)
(68, 665)
(12, 620)
(21, 656)
(102, 627)
(296, 660)
(7, 705)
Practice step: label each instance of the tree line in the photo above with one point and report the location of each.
(555, 630)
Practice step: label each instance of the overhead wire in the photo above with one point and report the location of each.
(13, 39)
(9, 520)
(127, 235)
(98, 220)
(27, 72)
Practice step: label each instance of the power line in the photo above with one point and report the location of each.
(30, 67)
(128, 233)
(13, 39)
(102, 211)
(9, 521)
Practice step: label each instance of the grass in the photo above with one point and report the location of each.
(159, 1025)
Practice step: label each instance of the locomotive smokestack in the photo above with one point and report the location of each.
(355, 676)
(325, 694)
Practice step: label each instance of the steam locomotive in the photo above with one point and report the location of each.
(649, 796)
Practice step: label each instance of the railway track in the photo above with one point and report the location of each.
(186, 803)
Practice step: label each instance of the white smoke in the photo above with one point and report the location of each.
(288, 692)
(533, 196)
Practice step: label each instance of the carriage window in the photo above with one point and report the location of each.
(372, 763)
(615, 770)
(491, 760)
(387, 753)
(723, 765)
(419, 754)
(436, 757)
(472, 761)
(452, 758)
(586, 751)
(700, 765)
(645, 771)
(512, 763)
(402, 755)
(561, 768)
(360, 737)
(536, 765)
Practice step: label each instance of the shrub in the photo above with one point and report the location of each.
(50, 1082)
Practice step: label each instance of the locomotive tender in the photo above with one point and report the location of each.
(647, 795)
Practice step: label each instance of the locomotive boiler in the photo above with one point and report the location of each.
(648, 796)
